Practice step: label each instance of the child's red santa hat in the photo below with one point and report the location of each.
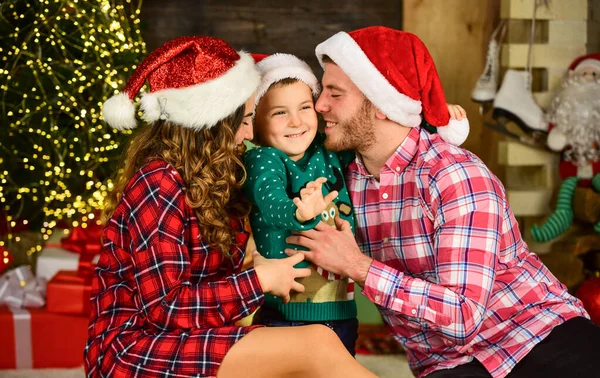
(395, 72)
(277, 67)
(194, 82)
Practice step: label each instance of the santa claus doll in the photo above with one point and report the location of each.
(574, 130)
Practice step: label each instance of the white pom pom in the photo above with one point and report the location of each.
(119, 112)
(557, 140)
(456, 132)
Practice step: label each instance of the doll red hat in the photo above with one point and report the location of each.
(395, 71)
(590, 60)
(194, 82)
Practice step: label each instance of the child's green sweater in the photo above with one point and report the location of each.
(273, 181)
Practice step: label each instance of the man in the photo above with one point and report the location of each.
(443, 258)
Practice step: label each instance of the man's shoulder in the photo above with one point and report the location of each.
(440, 154)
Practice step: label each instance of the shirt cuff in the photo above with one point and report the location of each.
(385, 287)
(249, 287)
(381, 285)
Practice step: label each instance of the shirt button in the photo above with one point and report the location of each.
(385, 240)
(385, 195)
(413, 311)
(398, 169)
(470, 350)
(377, 297)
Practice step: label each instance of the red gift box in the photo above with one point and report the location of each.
(68, 292)
(35, 338)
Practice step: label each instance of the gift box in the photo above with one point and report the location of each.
(19, 288)
(36, 338)
(66, 253)
(68, 292)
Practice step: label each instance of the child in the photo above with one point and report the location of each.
(291, 179)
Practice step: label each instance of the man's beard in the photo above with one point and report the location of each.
(356, 133)
(575, 111)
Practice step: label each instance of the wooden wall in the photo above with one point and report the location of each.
(265, 26)
(457, 32)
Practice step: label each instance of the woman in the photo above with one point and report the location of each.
(169, 286)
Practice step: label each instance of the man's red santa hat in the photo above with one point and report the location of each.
(394, 70)
(194, 82)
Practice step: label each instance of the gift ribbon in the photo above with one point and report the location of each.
(23, 344)
(20, 288)
(87, 243)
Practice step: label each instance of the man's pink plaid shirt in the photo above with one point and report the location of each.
(451, 275)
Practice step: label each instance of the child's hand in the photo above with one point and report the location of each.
(278, 276)
(456, 112)
(311, 202)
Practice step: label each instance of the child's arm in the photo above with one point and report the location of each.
(265, 186)
(456, 112)
(311, 201)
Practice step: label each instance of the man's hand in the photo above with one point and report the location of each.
(311, 201)
(278, 276)
(334, 250)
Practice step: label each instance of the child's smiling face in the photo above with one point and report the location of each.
(286, 119)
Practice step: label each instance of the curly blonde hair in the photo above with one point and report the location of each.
(209, 162)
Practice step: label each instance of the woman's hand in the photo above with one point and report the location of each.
(278, 276)
(456, 112)
(311, 201)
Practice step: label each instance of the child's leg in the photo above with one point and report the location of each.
(310, 351)
(347, 331)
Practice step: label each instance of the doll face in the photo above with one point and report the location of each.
(286, 119)
(589, 73)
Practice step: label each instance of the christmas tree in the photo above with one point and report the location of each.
(61, 59)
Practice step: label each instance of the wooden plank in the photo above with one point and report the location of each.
(558, 9)
(529, 203)
(593, 33)
(553, 56)
(511, 153)
(457, 33)
(567, 32)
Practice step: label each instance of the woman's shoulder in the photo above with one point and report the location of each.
(155, 175)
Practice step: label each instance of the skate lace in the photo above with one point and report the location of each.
(492, 55)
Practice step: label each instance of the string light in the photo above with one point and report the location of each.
(61, 59)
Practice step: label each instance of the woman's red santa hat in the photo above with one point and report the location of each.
(394, 70)
(194, 82)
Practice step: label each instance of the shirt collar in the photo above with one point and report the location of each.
(398, 160)
(405, 153)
